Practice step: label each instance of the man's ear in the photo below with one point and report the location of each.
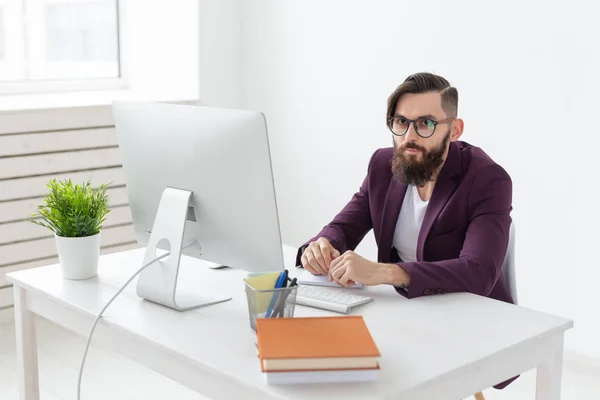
(458, 126)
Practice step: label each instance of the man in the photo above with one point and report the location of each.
(440, 208)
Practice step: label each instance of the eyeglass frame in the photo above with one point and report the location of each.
(414, 124)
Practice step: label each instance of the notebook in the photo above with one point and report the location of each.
(350, 375)
(288, 344)
(306, 278)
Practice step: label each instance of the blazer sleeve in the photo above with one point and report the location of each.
(479, 264)
(351, 224)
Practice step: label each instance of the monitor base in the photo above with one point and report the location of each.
(158, 282)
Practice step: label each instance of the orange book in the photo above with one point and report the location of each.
(318, 343)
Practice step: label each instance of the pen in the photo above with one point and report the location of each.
(282, 301)
(280, 282)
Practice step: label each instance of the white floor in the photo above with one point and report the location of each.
(111, 376)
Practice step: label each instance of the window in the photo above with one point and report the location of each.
(55, 45)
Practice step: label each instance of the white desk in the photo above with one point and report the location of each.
(435, 347)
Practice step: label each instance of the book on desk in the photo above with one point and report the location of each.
(289, 353)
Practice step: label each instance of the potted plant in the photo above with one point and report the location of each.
(75, 213)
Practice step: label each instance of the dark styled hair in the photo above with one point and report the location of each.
(424, 82)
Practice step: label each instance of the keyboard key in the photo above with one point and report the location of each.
(328, 299)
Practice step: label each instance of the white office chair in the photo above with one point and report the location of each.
(508, 267)
(508, 272)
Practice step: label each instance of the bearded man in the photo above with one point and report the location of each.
(439, 207)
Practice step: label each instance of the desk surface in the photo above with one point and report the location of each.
(421, 340)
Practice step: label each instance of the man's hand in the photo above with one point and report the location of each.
(318, 256)
(350, 268)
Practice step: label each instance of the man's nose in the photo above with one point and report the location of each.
(411, 134)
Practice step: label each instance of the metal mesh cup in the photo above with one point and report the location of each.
(272, 303)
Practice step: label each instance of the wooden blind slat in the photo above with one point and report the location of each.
(36, 186)
(23, 209)
(55, 119)
(47, 142)
(6, 297)
(25, 230)
(58, 162)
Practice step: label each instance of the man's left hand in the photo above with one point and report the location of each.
(350, 268)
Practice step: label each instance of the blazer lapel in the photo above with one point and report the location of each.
(442, 191)
(389, 218)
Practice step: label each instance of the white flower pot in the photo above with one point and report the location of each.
(78, 256)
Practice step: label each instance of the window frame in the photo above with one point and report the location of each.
(75, 85)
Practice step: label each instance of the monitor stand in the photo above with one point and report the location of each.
(158, 282)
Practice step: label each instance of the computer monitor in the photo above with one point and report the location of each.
(199, 177)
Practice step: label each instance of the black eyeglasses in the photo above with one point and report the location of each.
(424, 126)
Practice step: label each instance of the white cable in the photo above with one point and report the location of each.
(89, 339)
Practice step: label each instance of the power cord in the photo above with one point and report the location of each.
(89, 339)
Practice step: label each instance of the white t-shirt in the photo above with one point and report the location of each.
(409, 224)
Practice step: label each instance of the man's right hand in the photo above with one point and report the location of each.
(318, 256)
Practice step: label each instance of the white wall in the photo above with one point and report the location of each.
(161, 45)
(526, 72)
(220, 59)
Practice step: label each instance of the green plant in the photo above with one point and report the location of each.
(73, 210)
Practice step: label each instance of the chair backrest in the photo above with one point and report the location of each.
(508, 267)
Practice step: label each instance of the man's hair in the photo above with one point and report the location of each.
(424, 82)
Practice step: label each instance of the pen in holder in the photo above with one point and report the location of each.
(270, 303)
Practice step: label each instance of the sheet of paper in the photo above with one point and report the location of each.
(262, 282)
(306, 278)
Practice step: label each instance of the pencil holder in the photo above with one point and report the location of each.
(272, 303)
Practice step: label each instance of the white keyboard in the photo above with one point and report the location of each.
(328, 299)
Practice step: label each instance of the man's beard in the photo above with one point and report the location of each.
(407, 169)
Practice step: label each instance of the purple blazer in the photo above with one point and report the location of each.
(464, 236)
